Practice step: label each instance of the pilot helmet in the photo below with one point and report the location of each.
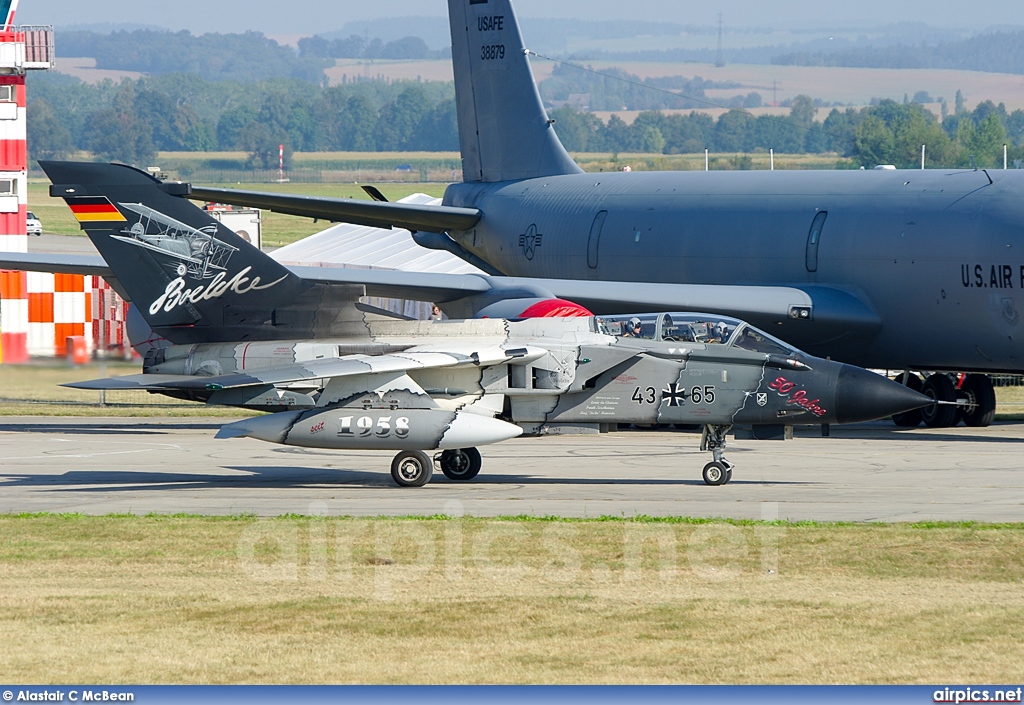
(634, 322)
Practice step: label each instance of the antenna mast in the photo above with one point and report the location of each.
(719, 59)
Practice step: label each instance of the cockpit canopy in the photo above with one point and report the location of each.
(701, 328)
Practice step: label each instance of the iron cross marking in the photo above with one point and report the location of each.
(530, 241)
(674, 395)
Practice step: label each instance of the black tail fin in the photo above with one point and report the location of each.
(504, 132)
(192, 278)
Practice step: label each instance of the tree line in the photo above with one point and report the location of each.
(131, 120)
(886, 133)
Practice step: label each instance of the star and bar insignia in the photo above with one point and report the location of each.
(530, 241)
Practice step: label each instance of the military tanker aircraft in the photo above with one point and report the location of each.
(902, 270)
(232, 326)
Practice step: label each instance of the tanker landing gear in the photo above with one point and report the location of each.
(414, 468)
(980, 409)
(940, 388)
(719, 470)
(973, 394)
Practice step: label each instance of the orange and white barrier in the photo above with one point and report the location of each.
(56, 307)
(13, 318)
(59, 306)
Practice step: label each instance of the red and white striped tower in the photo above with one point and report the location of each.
(22, 49)
(13, 159)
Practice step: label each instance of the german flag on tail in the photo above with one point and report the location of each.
(94, 209)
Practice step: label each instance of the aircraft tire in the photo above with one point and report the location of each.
(981, 397)
(728, 476)
(910, 419)
(715, 474)
(412, 468)
(940, 388)
(460, 465)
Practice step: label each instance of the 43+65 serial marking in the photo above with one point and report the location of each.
(675, 395)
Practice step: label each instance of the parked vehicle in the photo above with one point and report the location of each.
(33, 226)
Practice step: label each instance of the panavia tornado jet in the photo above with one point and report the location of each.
(231, 326)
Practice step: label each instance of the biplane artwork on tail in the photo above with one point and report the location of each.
(200, 255)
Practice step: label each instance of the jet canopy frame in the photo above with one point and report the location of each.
(700, 328)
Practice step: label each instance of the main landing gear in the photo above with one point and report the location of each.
(414, 468)
(980, 409)
(719, 470)
(973, 394)
(459, 465)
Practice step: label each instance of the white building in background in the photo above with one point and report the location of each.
(364, 247)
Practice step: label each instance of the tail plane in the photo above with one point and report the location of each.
(504, 131)
(190, 277)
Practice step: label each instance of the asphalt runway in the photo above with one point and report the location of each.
(868, 472)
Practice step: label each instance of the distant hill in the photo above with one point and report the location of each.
(545, 35)
(739, 49)
(999, 52)
(217, 57)
(613, 89)
(108, 27)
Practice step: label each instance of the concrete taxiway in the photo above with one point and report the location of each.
(861, 473)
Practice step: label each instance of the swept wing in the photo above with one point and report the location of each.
(349, 366)
(373, 213)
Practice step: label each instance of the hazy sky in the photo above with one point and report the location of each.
(312, 16)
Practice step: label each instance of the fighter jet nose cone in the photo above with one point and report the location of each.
(865, 396)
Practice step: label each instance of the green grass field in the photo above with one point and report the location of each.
(293, 600)
(34, 390)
